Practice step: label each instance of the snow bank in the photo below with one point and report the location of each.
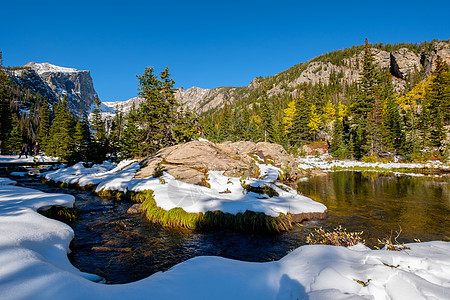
(225, 194)
(30, 158)
(327, 163)
(34, 265)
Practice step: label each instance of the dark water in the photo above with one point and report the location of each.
(125, 248)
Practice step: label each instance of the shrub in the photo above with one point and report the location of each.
(338, 237)
(393, 245)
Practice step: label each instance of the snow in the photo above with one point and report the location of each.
(327, 163)
(34, 265)
(41, 68)
(30, 158)
(225, 193)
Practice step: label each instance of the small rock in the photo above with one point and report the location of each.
(134, 209)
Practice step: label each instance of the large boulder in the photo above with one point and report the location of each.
(190, 162)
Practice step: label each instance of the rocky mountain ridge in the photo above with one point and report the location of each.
(53, 82)
(401, 63)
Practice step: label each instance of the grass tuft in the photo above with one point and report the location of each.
(212, 220)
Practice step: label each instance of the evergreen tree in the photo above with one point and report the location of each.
(116, 133)
(438, 133)
(44, 126)
(5, 110)
(156, 122)
(439, 94)
(425, 125)
(338, 148)
(267, 124)
(61, 143)
(98, 125)
(15, 137)
(130, 143)
(82, 139)
(367, 86)
(394, 134)
(300, 130)
(374, 136)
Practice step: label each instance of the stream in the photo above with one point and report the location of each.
(124, 248)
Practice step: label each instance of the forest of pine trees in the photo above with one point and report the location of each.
(363, 119)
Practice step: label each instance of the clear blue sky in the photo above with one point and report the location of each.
(204, 43)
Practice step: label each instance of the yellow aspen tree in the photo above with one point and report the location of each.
(314, 122)
(342, 110)
(328, 115)
(289, 113)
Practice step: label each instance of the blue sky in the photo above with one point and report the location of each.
(204, 43)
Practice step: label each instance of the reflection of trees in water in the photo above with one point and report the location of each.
(378, 203)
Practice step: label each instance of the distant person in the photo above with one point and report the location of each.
(35, 150)
(24, 151)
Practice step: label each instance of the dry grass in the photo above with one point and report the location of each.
(338, 237)
(393, 245)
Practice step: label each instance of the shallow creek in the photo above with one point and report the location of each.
(124, 248)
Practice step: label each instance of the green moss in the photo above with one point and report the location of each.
(63, 214)
(212, 220)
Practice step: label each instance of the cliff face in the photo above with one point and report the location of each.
(401, 63)
(52, 82)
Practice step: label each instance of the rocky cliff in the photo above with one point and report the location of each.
(53, 82)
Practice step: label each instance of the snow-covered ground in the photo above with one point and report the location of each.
(34, 265)
(30, 158)
(328, 163)
(225, 193)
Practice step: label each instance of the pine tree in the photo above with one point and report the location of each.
(367, 91)
(439, 94)
(267, 124)
(394, 134)
(438, 134)
(61, 142)
(338, 148)
(99, 145)
(44, 126)
(82, 138)
(374, 136)
(116, 133)
(156, 120)
(98, 125)
(300, 130)
(5, 110)
(15, 137)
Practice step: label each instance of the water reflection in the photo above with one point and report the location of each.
(377, 203)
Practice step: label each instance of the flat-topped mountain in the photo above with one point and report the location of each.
(52, 82)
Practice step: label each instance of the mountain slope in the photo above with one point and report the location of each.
(343, 66)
